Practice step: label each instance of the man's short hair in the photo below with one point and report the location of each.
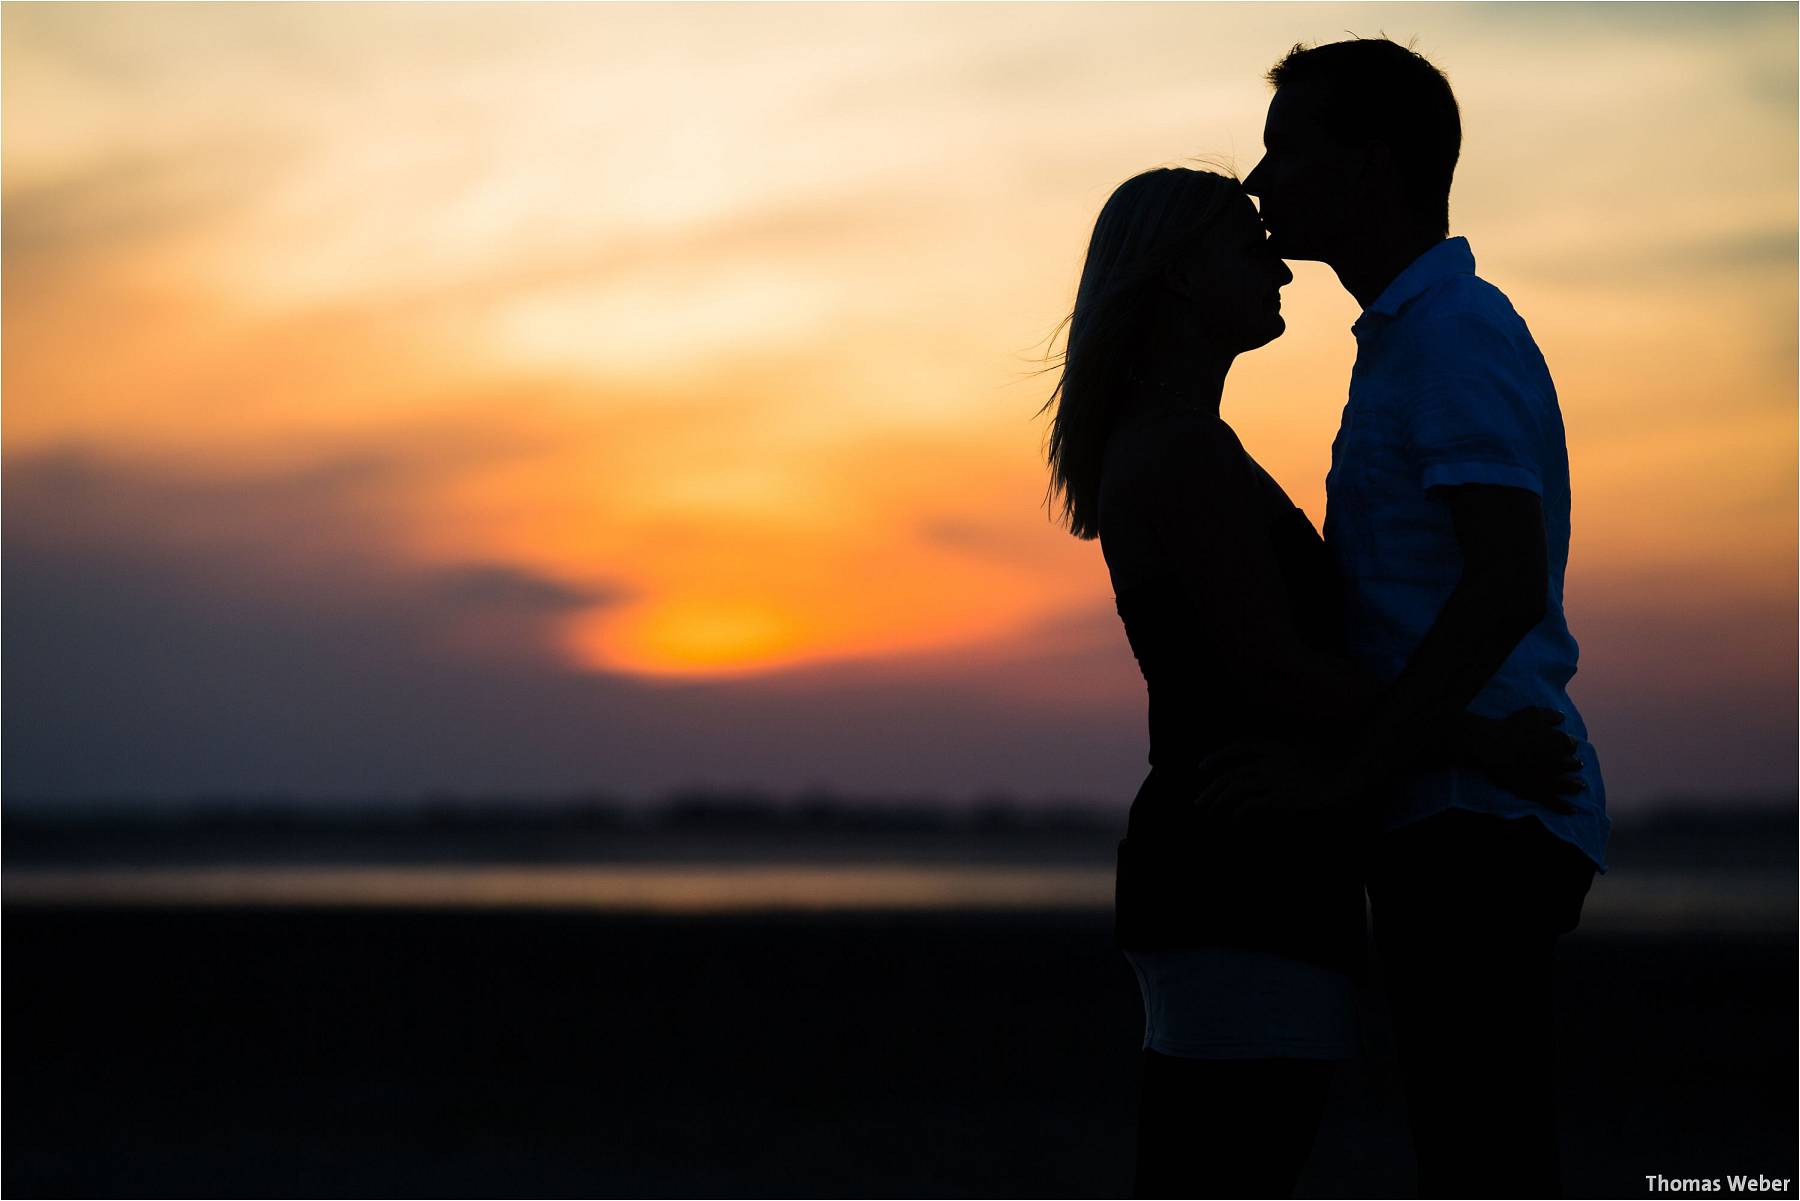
(1387, 92)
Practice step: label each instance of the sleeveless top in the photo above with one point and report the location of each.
(1186, 879)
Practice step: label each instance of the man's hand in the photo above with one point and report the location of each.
(1525, 754)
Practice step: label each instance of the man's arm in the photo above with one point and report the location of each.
(1503, 592)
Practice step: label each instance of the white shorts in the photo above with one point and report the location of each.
(1227, 1003)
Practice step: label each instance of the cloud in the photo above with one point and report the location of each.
(491, 586)
(168, 635)
(131, 200)
(1759, 256)
(1686, 694)
(356, 351)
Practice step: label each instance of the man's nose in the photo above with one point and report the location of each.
(1252, 182)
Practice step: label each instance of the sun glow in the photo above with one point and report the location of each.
(687, 639)
(667, 305)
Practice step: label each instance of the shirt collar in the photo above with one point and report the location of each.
(1448, 258)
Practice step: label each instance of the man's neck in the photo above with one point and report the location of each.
(1367, 268)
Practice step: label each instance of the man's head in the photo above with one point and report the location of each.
(1360, 133)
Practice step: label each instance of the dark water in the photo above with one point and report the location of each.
(1670, 902)
(394, 1052)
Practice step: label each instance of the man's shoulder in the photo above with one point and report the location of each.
(1466, 301)
(1463, 318)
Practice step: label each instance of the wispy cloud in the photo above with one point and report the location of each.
(687, 343)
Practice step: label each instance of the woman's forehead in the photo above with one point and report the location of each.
(1240, 210)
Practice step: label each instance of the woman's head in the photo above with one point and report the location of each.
(1177, 275)
(1179, 254)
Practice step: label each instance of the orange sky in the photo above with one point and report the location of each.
(724, 316)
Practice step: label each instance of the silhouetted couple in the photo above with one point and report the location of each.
(1383, 709)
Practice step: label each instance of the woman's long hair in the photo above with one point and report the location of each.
(1120, 313)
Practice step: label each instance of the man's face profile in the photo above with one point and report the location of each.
(1305, 181)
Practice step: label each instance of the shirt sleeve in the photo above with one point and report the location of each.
(1476, 415)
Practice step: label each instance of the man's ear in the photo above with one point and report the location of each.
(1376, 160)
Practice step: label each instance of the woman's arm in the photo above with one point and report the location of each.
(1523, 752)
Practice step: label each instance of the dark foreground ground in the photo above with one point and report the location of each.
(368, 1053)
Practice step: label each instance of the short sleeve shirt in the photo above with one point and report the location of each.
(1449, 388)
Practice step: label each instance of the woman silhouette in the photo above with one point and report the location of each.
(1245, 928)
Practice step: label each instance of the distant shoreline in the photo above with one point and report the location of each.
(1633, 902)
(724, 829)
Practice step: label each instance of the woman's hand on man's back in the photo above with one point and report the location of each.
(1525, 753)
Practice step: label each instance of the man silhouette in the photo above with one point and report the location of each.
(1448, 514)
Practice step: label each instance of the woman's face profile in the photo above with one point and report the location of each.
(1235, 281)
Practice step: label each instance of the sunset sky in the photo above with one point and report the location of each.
(518, 397)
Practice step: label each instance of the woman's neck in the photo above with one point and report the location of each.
(1189, 379)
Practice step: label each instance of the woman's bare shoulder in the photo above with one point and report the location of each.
(1175, 433)
(1184, 444)
(1178, 466)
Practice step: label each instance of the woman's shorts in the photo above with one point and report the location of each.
(1229, 1003)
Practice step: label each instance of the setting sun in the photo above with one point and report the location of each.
(713, 329)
